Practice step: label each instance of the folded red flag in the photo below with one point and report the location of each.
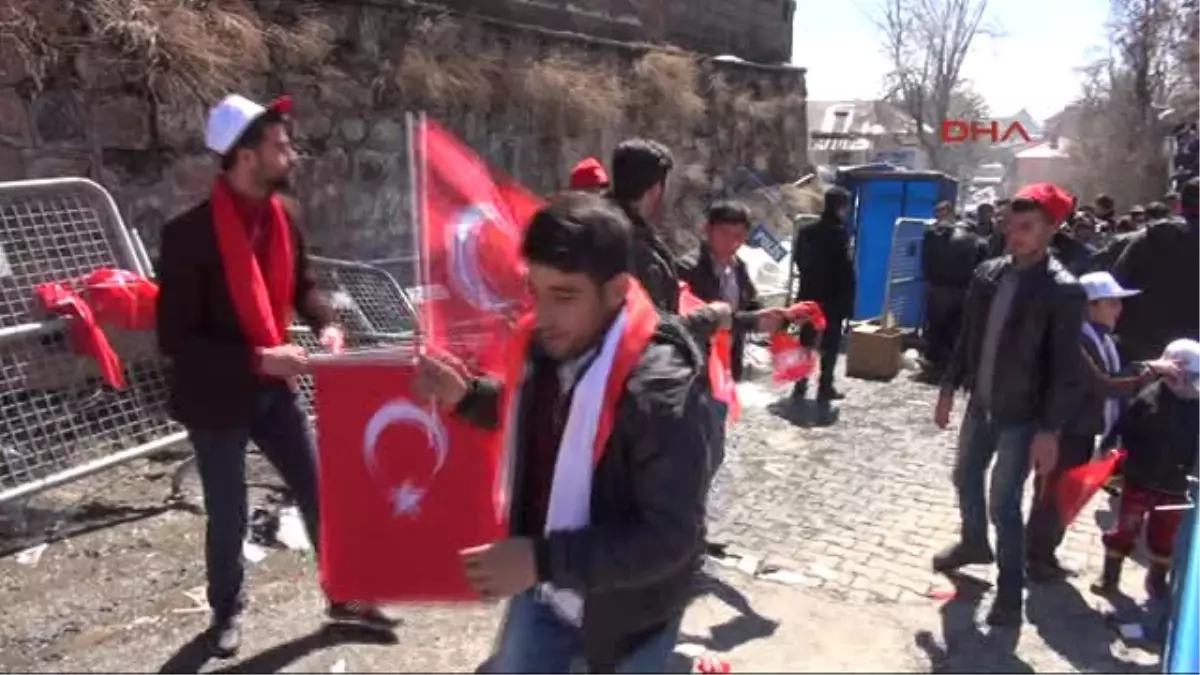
(1077, 486)
(85, 335)
(121, 299)
(807, 311)
(403, 488)
(790, 360)
(720, 357)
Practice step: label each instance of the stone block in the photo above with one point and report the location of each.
(12, 63)
(387, 134)
(180, 125)
(14, 119)
(53, 164)
(12, 166)
(353, 130)
(59, 118)
(193, 174)
(122, 122)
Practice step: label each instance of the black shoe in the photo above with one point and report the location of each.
(1110, 579)
(364, 616)
(830, 394)
(961, 555)
(1007, 610)
(1046, 571)
(224, 638)
(800, 390)
(1156, 581)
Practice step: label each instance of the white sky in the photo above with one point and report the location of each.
(1032, 65)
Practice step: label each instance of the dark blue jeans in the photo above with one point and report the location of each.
(979, 441)
(280, 430)
(533, 639)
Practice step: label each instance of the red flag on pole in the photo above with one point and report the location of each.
(403, 486)
(471, 229)
(1077, 486)
(720, 357)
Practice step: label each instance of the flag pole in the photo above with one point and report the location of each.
(417, 222)
(423, 197)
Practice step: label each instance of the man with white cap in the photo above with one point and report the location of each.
(232, 272)
(1106, 383)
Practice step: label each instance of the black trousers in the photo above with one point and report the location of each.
(280, 430)
(1045, 530)
(829, 342)
(943, 319)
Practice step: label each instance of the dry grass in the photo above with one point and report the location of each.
(664, 86)
(436, 69)
(184, 48)
(574, 97)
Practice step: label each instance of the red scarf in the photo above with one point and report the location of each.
(263, 299)
(640, 326)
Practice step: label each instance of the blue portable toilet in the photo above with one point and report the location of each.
(881, 195)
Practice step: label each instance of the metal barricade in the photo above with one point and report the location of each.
(58, 421)
(904, 296)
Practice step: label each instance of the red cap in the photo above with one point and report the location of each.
(588, 174)
(1054, 200)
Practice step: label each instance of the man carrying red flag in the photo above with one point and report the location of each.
(605, 410)
(232, 272)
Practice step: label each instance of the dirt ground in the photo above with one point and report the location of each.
(119, 588)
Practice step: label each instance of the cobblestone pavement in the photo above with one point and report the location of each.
(856, 508)
(842, 520)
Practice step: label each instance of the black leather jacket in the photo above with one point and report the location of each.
(1038, 376)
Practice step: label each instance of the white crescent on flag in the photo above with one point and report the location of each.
(463, 246)
(406, 497)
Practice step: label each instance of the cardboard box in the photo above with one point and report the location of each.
(875, 352)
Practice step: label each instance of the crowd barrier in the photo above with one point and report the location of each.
(59, 421)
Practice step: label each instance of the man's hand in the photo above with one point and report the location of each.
(333, 339)
(723, 312)
(502, 569)
(1166, 369)
(284, 361)
(941, 412)
(770, 319)
(1043, 452)
(438, 378)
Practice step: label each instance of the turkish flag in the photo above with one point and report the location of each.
(790, 360)
(720, 356)
(471, 235)
(1077, 486)
(121, 299)
(85, 335)
(403, 487)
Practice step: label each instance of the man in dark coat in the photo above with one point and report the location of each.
(821, 252)
(949, 255)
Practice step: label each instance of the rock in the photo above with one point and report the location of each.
(314, 127)
(11, 165)
(193, 175)
(12, 64)
(353, 130)
(370, 166)
(122, 122)
(57, 165)
(387, 135)
(58, 118)
(180, 125)
(14, 119)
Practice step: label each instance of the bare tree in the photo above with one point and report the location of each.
(1124, 115)
(927, 42)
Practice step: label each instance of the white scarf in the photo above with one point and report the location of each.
(571, 489)
(1112, 362)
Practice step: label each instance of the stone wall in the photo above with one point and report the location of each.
(85, 116)
(755, 30)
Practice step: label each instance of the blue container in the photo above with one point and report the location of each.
(1182, 636)
(881, 195)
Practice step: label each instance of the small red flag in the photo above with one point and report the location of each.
(86, 337)
(720, 357)
(403, 487)
(790, 360)
(1077, 486)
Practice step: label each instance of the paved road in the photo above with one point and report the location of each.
(850, 512)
